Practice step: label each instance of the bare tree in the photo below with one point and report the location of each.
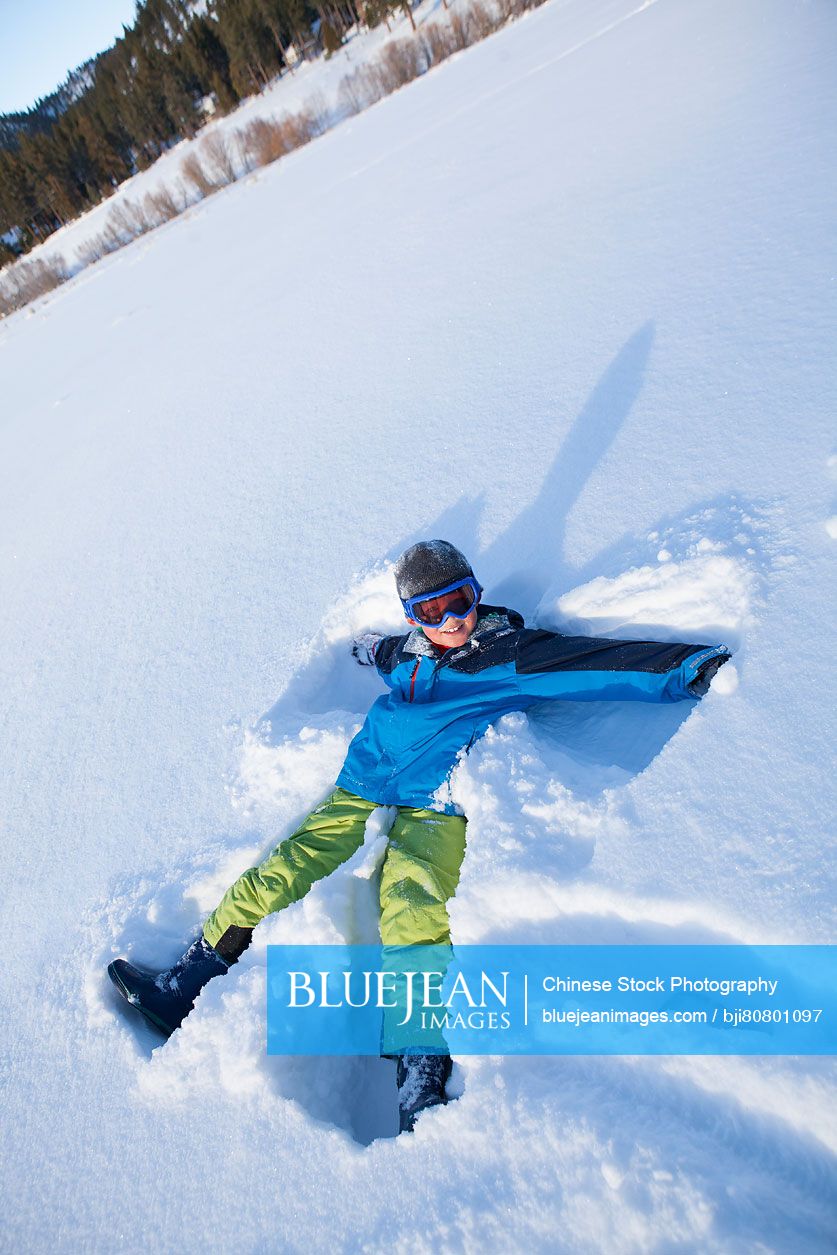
(219, 158)
(25, 281)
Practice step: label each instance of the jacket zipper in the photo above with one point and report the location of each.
(447, 657)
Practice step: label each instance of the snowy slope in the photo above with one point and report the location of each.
(568, 302)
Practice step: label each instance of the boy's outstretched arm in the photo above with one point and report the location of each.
(588, 668)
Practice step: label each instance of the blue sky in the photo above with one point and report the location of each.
(43, 39)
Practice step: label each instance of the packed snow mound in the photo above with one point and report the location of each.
(701, 599)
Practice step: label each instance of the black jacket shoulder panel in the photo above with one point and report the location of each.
(551, 651)
(491, 653)
(493, 644)
(484, 611)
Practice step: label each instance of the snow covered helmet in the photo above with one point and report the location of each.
(435, 583)
(428, 566)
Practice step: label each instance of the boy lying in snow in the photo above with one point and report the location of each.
(462, 666)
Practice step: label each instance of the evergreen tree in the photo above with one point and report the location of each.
(17, 198)
(332, 41)
(255, 54)
(297, 18)
(100, 125)
(207, 57)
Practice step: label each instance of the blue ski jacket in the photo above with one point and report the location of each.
(440, 703)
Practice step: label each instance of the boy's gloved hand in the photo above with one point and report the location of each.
(699, 686)
(363, 648)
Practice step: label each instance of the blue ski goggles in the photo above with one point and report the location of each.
(454, 601)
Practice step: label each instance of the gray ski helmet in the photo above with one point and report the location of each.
(429, 565)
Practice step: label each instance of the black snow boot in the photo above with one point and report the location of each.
(421, 1083)
(166, 998)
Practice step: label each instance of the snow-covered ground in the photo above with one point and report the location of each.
(567, 301)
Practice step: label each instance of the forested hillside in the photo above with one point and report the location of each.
(177, 65)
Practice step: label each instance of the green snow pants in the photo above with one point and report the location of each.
(419, 875)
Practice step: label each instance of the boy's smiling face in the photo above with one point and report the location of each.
(454, 631)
